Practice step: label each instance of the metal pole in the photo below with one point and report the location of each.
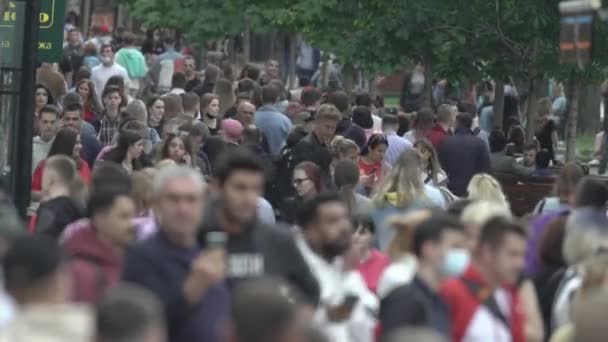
(21, 156)
(85, 17)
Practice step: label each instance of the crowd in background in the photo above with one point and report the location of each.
(174, 200)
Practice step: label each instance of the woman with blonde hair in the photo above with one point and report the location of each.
(343, 148)
(402, 190)
(484, 187)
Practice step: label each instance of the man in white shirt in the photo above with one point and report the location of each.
(48, 118)
(108, 68)
(396, 144)
(347, 307)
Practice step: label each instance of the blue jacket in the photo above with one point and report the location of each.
(275, 126)
(90, 147)
(162, 268)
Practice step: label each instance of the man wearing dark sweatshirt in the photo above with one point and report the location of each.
(188, 280)
(254, 249)
(463, 155)
(59, 208)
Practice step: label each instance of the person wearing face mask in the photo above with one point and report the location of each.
(438, 243)
(485, 302)
(108, 68)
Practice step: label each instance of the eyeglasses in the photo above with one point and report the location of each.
(299, 181)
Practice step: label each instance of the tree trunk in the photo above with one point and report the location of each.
(589, 101)
(499, 104)
(572, 118)
(349, 78)
(428, 84)
(291, 77)
(373, 89)
(324, 79)
(247, 41)
(531, 110)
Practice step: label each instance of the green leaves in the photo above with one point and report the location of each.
(461, 39)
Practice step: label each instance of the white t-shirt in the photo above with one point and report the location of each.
(335, 285)
(399, 273)
(101, 74)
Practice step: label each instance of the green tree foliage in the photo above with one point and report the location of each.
(198, 20)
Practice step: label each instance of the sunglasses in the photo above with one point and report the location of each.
(299, 181)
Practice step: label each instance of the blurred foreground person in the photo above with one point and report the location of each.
(416, 335)
(485, 300)
(96, 254)
(347, 309)
(130, 313)
(172, 264)
(439, 244)
(254, 248)
(268, 310)
(39, 281)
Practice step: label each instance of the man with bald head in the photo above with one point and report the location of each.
(244, 113)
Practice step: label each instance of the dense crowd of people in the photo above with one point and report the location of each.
(173, 200)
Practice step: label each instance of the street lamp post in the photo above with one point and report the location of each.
(23, 123)
(18, 53)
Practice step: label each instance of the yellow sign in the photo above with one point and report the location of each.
(46, 17)
(50, 33)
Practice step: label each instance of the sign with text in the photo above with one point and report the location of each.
(11, 36)
(50, 33)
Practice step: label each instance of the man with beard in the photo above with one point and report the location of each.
(254, 248)
(347, 307)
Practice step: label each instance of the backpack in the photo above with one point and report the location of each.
(487, 299)
(281, 187)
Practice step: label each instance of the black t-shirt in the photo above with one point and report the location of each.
(262, 250)
(54, 215)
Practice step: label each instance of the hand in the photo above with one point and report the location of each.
(367, 180)
(352, 257)
(207, 270)
(188, 160)
(339, 313)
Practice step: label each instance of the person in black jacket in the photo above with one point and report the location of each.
(463, 155)
(60, 208)
(254, 249)
(439, 247)
(315, 146)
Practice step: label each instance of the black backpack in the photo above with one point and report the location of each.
(280, 186)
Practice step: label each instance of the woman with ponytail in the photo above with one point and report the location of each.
(346, 178)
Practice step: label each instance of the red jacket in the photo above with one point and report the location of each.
(464, 306)
(94, 265)
(437, 135)
(83, 169)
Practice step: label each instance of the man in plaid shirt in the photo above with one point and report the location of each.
(111, 117)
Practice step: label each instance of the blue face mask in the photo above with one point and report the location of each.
(455, 262)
